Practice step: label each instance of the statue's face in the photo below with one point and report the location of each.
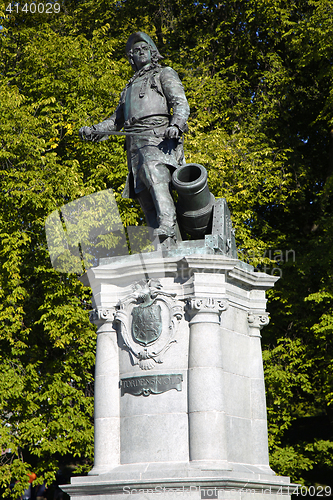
(141, 54)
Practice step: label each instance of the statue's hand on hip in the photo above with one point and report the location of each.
(172, 132)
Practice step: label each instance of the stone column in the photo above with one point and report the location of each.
(205, 381)
(106, 409)
(256, 321)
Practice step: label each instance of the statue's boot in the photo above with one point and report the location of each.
(165, 210)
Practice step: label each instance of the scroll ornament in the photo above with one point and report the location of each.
(207, 304)
(101, 314)
(257, 322)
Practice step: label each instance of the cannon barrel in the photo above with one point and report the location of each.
(195, 201)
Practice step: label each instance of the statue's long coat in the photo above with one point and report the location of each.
(145, 108)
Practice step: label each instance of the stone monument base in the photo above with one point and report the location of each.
(149, 481)
(180, 408)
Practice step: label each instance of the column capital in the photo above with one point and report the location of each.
(206, 304)
(205, 309)
(256, 322)
(101, 315)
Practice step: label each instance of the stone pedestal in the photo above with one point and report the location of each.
(180, 406)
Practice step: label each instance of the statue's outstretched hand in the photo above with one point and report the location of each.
(89, 134)
(172, 132)
(85, 133)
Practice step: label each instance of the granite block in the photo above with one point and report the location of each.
(259, 439)
(258, 399)
(236, 352)
(107, 397)
(256, 369)
(205, 389)
(210, 443)
(107, 442)
(237, 395)
(205, 346)
(154, 438)
(234, 319)
(239, 444)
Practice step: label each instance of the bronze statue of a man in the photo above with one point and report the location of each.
(155, 149)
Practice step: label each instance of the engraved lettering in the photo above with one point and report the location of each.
(151, 385)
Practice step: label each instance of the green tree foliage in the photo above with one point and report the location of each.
(49, 82)
(258, 75)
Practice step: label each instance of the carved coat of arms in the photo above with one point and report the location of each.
(148, 320)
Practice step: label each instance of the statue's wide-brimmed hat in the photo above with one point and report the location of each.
(141, 37)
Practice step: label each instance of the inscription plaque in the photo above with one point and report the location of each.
(151, 384)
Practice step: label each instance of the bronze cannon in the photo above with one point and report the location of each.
(199, 214)
(195, 201)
